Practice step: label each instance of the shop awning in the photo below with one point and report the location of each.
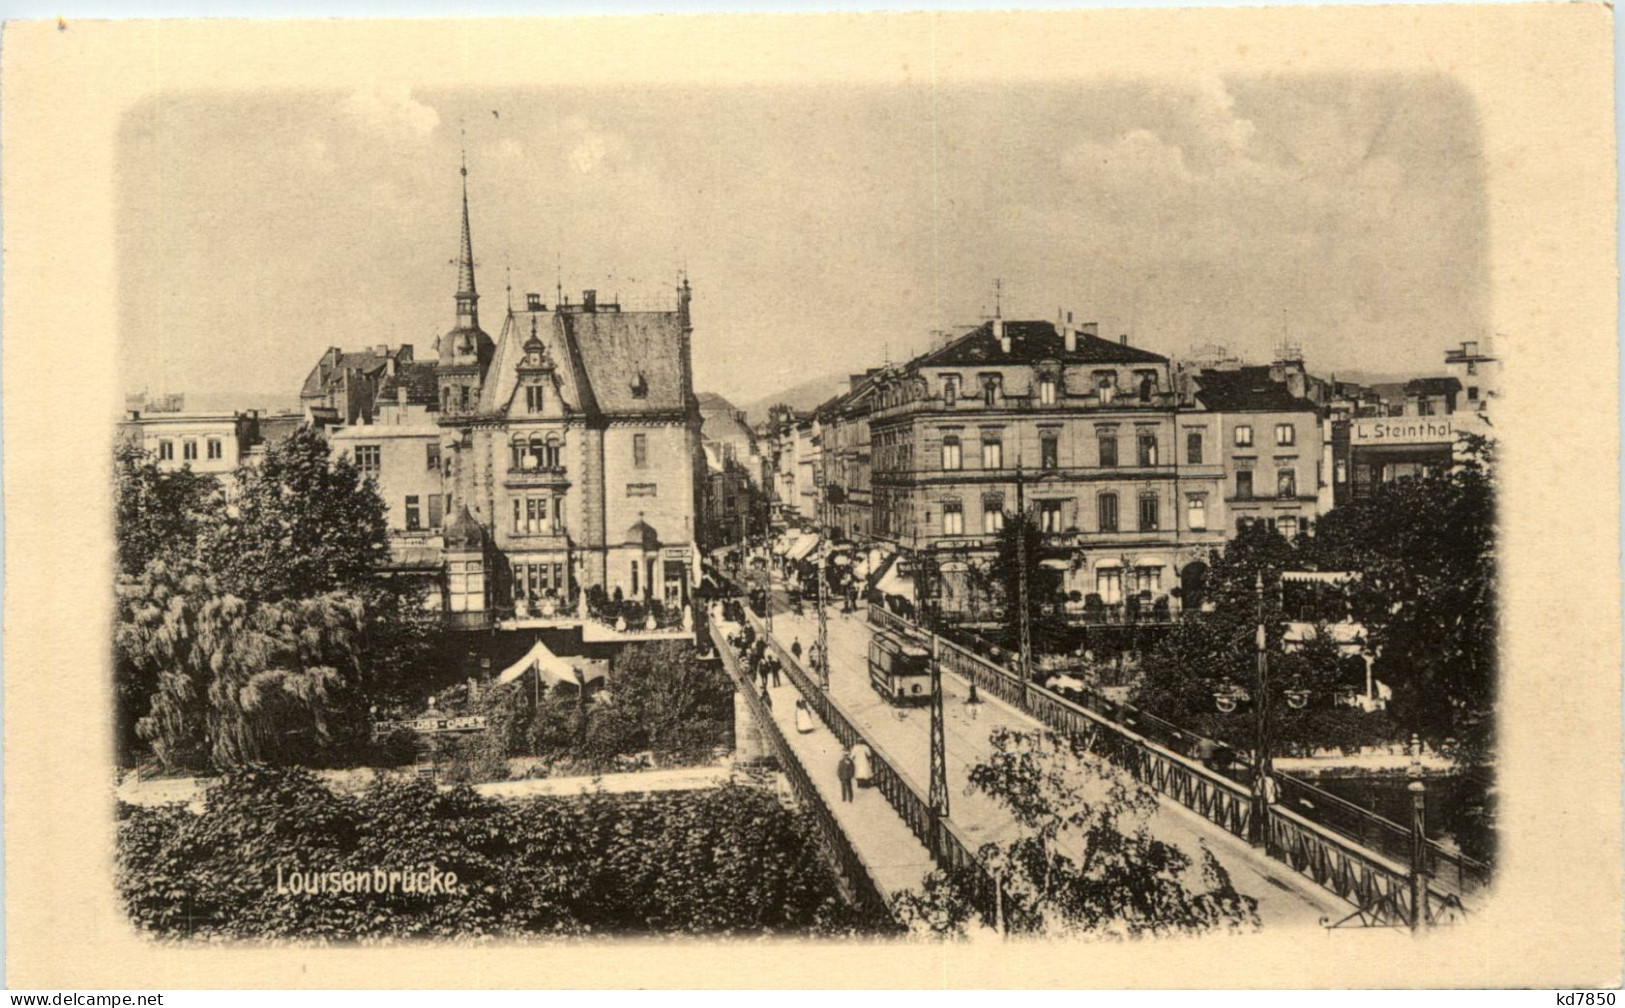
(893, 582)
(1053, 564)
(549, 666)
(802, 547)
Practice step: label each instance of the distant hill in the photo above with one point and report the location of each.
(803, 396)
(229, 402)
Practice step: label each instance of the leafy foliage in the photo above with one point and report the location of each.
(1085, 862)
(159, 513)
(1427, 596)
(302, 524)
(725, 861)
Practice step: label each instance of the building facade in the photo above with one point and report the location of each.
(1079, 430)
(560, 456)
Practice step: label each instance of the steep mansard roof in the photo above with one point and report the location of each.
(604, 360)
(1247, 389)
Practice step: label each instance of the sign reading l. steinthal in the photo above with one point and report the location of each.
(1414, 430)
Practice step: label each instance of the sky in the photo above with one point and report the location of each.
(823, 229)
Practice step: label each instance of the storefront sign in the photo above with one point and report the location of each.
(431, 725)
(1403, 430)
(674, 553)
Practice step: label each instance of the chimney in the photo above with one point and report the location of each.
(1122, 340)
(1070, 334)
(1470, 348)
(383, 349)
(1001, 335)
(589, 300)
(405, 352)
(533, 302)
(400, 394)
(132, 414)
(1091, 329)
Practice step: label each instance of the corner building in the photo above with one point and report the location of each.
(568, 450)
(1082, 429)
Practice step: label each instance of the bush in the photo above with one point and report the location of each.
(725, 861)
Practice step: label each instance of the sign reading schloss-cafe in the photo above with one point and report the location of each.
(1404, 430)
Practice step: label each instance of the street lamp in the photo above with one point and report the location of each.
(1419, 841)
(822, 665)
(1262, 769)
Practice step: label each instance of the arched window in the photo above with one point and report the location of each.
(538, 453)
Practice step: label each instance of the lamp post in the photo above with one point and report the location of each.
(1419, 841)
(1025, 614)
(822, 665)
(1262, 769)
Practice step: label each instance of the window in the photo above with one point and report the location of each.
(166, 451)
(533, 398)
(1196, 512)
(1049, 516)
(1148, 514)
(640, 389)
(992, 515)
(1049, 450)
(1046, 392)
(189, 450)
(1107, 503)
(636, 564)
(1109, 585)
(1286, 483)
(640, 450)
(535, 515)
(1148, 449)
(1424, 407)
(1286, 434)
(990, 391)
(640, 489)
(1287, 525)
(1148, 385)
(1244, 484)
(1472, 393)
(1106, 382)
(992, 451)
(369, 459)
(1244, 436)
(437, 510)
(1193, 447)
(431, 455)
(1472, 367)
(1108, 448)
(462, 397)
(953, 518)
(951, 456)
(1148, 579)
(414, 518)
(216, 448)
(950, 389)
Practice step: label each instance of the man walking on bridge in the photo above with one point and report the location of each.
(845, 770)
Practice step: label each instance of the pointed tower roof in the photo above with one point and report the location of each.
(464, 533)
(465, 264)
(467, 345)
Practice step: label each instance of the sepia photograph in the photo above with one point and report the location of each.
(947, 507)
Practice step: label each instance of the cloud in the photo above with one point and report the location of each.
(389, 105)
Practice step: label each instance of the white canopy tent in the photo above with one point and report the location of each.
(550, 667)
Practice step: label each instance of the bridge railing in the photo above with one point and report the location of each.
(865, 894)
(939, 836)
(1334, 853)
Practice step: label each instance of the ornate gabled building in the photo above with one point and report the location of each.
(571, 441)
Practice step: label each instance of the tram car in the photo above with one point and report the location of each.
(899, 671)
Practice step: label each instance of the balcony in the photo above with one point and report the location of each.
(537, 476)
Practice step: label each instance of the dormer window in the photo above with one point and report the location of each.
(950, 389)
(1046, 390)
(640, 387)
(534, 398)
(990, 390)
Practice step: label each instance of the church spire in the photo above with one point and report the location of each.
(467, 297)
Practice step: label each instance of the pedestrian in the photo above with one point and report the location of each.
(1272, 792)
(804, 718)
(1205, 750)
(795, 648)
(773, 666)
(863, 763)
(846, 769)
(767, 698)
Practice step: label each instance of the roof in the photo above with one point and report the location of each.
(1031, 342)
(464, 533)
(367, 361)
(602, 359)
(1432, 386)
(418, 378)
(1247, 389)
(642, 534)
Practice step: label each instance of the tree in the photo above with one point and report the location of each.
(302, 524)
(1425, 552)
(158, 512)
(239, 681)
(1019, 535)
(1085, 862)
